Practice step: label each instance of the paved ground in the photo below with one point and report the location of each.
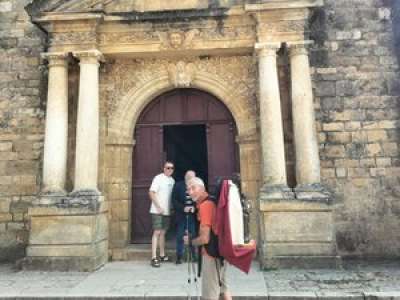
(137, 280)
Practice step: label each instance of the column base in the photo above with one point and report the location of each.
(297, 233)
(276, 193)
(312, 192)
(62, 264)
(49, 198)
(71, 234)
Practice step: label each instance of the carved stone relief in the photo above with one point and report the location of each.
(68, 38)
(181, 74)
(177, 39)
(123, 75)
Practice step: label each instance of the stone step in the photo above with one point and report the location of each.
(142, 252)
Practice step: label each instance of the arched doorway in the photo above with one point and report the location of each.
(190, 127)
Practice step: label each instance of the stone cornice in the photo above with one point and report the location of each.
(299, 48)
(267, 49)
(55, 58)
(283, 4)
(60, 17)
(89, 57)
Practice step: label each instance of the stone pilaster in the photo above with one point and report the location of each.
(272, 142)
(87, 132)
(56, 134)
(305, 135)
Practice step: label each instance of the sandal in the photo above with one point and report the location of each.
(155, 263)
(164, 258)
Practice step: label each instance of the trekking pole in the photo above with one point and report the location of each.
(193, 263)
(188, 259)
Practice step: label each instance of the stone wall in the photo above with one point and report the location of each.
(22, 100)
(357, 89)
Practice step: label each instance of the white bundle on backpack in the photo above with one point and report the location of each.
(235, 215)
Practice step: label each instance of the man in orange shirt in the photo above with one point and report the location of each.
(213, 274)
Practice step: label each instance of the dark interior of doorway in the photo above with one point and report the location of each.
(186, 146)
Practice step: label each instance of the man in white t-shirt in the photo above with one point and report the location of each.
(160, 196)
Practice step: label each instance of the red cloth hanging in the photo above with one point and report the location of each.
(239, 256)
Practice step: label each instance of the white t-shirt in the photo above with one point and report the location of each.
(162, 185)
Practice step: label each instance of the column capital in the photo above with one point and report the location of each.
(55, 58)
(299, 48)
(89, 56)
(267, 49)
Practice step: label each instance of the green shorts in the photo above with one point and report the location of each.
(160, 222)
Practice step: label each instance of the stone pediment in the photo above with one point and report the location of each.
(39, 7)
(115, 7)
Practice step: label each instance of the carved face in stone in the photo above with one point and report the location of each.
(175, 40)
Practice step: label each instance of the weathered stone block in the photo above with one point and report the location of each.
(374, 149)
(377, 172)
(326, 89)
(6, 146)
(298, 226)
(376, 136)
(61, 230)
(328, 172)
(334, 151)
(337, 126)
(5, 6)
(383, 162)
(5, 217)
(339, 137)
(358, 172)
(390, 149)
(359, 137)
(5, 204)
(341, 172)
(352, 125)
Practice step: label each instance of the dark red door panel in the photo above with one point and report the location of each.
(147, 164)
(221, 152)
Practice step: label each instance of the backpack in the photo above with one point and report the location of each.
(212, 248)
(221, 243)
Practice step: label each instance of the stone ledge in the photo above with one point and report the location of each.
(62, 264)
(303, 262)
(294, 205)
(60, 210)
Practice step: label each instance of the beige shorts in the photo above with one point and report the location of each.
(210, 289)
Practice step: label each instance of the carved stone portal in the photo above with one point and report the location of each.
(181, 74)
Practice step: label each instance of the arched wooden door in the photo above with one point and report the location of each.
(191, 128)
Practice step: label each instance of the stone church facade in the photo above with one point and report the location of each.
(312, 87)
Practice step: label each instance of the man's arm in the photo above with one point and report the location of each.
(153, 198)
(204, 236)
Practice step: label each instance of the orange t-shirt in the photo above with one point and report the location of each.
(205, 215)
(206, 212)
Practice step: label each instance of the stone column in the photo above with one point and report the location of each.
(56, 133)
(305, 135)
(87, 131)
(272, 142)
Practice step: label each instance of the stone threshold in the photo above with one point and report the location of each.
(394, 295)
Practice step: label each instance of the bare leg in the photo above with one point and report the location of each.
(154, 240)
(227, 296)
(162, 242)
